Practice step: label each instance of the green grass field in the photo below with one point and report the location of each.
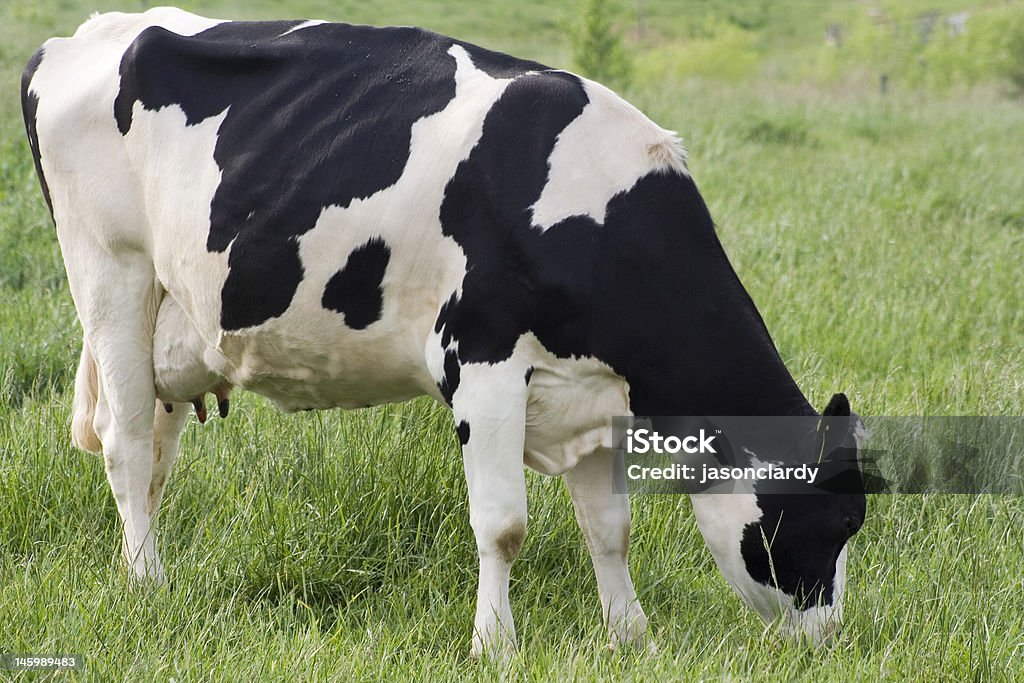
(882, 239)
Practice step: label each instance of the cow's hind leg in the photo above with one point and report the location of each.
(117, 299)
(490, 411)
(604, 518)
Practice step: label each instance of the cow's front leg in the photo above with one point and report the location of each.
(490, 414)
(604, 518)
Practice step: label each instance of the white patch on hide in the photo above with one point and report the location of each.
(306, 24)
(601, 153)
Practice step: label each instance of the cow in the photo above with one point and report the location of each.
(340, 216)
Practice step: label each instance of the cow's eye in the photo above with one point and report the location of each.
(852, 524)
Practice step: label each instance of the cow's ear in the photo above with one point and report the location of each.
(839, 406)
(834, 424)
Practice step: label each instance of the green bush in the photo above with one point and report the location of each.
(991, 50)
(597, 46)
(983, 54)
(1012, 67)
(722, 51)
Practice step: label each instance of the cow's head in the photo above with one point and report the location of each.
(785, 553)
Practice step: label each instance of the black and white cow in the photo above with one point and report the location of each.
(340, 216)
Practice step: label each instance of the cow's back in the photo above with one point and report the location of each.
(313, 195)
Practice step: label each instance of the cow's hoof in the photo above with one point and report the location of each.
(497, 649)
(630, 634)
(637, 646)
(147, 575)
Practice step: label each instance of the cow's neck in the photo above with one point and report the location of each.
(724, 370)
(702, 347)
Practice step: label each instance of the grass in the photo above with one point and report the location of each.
(882, 240)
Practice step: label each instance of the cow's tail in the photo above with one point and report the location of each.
(87, 385)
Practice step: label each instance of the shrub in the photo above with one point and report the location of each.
(1013, 64)
(722, 51)
(991, 49)
(598, 52)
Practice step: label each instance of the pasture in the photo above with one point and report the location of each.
(882, 238)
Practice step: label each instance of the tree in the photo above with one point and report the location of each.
(598, 52)
(1014, 65)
